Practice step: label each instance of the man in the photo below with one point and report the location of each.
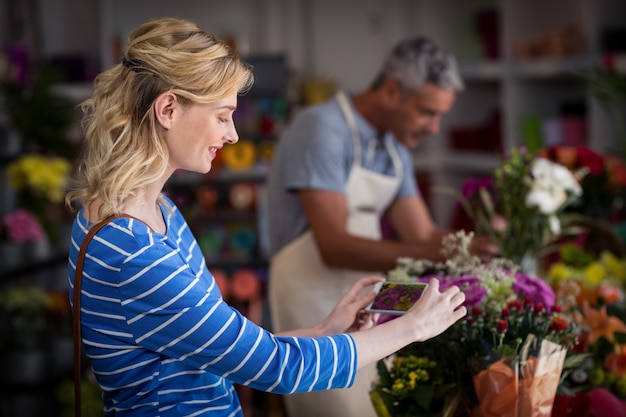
(337, 169)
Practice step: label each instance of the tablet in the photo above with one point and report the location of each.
(395, 297)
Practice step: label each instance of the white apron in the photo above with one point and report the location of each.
(303, 291)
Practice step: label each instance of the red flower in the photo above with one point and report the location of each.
(616, 363)
(516, 305)
(593, 403)
(592, 160)
(616, 170)
(502, 325)
(559, 323)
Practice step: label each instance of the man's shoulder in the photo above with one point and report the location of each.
(321, 115)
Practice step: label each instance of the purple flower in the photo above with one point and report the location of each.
(472, 185)
(534, 290)
(19, 61)
(21, 226)
(469, 284)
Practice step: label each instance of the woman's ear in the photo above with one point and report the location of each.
(164, 106)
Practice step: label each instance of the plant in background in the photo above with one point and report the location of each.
(608, 88)
(521, 205)
(509, 313)
(20, 226)
(24, 316)
(35, 110)
(40, 183)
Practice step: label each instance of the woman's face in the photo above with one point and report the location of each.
(198, 132)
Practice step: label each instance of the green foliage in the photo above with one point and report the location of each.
(42, 116)
(608, 88)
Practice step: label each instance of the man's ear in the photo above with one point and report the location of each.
(164, 107)
(391, 90)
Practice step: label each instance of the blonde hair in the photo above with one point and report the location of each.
(123, 151)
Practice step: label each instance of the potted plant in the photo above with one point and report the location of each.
(24, 326)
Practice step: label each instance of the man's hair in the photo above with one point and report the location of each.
(416, 61)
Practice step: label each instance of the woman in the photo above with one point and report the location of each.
(158, 334)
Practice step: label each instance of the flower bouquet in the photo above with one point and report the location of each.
(603, 185)
(580, 275)
(519, 207)
(505, 357)
(589, 285)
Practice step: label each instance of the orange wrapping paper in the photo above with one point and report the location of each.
(524, 388)
(497, 390)
(540, 380)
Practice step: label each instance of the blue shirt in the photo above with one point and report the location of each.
(316, 152)
(161, 340)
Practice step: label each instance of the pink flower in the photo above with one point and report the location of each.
(21, 226)
(499, 223)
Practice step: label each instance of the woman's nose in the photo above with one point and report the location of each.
(231, 136)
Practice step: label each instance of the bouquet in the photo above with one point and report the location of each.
(519, 207)
(589, 286)
(580, 275)
(603, 186)
(505, 356)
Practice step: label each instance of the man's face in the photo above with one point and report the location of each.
(418, 114)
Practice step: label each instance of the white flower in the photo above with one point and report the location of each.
(552, 185)
(555, 224)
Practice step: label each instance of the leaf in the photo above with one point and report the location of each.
(383, 372)
(424, 395)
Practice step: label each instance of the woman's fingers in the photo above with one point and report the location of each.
(437, 310)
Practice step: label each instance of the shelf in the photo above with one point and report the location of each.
(13, 271)
(481, 71)
(256, 174)
(550, 68)
(75, 92)
(476, 162)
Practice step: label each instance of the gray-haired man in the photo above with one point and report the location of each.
(337, 169)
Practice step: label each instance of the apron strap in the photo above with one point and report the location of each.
(347, 113)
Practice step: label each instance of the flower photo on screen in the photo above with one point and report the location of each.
(397, 296)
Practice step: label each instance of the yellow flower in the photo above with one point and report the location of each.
(44, 176)
(559, 272)
(594, 274)
(615, 266)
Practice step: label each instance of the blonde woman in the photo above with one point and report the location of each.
(159, 336)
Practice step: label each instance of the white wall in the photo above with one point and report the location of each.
(344, 40)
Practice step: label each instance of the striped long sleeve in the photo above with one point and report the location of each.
(161, 340)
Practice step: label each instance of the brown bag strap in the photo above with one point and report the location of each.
(78, 275)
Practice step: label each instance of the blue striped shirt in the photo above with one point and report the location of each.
(162, 341)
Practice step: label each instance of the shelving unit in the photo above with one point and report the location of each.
(519, 87)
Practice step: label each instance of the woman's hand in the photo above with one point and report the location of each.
(436, 310)
(348, 314)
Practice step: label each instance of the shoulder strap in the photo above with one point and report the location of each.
(78, 275)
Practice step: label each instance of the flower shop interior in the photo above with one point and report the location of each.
(532, 153)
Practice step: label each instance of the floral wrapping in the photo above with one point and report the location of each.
(522, 387)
